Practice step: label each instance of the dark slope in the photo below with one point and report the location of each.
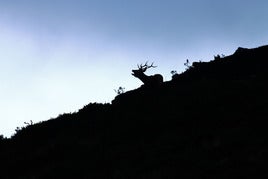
(209, 122)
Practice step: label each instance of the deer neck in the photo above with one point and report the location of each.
(144, 78)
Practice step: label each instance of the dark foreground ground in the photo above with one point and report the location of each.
(208, 122)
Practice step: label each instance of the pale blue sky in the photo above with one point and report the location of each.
(58, 55)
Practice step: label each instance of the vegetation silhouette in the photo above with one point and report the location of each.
(208, 122)
(120, 90)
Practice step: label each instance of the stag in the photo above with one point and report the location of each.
(152, 80)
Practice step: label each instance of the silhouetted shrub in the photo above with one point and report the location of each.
(29, 123)
(187, 64)
(120, 90)
(18, 129)
(174, 74)
(218, 57)
(2, 137)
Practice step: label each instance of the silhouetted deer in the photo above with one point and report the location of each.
(152, 80)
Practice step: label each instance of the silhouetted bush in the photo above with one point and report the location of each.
(120, 90)
(174, 74)
(187, 64)
(2, 137)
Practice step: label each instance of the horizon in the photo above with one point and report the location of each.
(58, 56)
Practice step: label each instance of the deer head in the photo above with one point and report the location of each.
(147, 80)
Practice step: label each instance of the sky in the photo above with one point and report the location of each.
(58, 55)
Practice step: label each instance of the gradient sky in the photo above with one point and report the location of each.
(58, 55)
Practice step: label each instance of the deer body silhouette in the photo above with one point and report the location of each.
(152, 80)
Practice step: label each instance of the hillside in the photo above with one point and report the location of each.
(208, 122)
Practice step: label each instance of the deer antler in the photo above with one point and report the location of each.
(145, 66)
